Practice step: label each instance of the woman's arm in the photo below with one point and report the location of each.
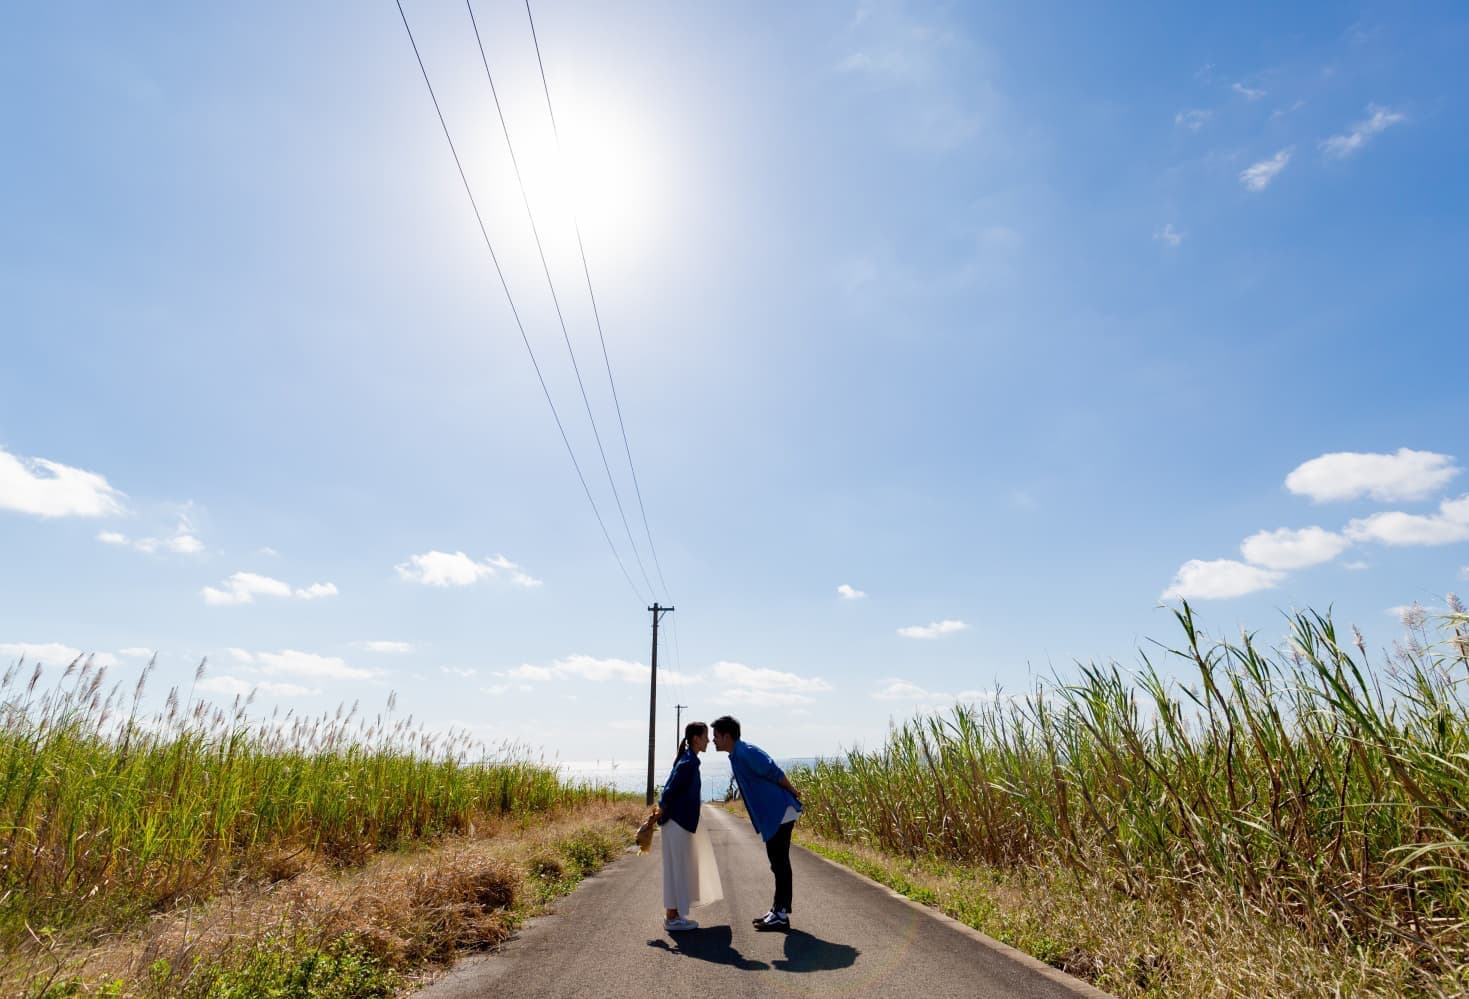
(679, 779)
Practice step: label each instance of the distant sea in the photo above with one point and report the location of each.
(713, 770)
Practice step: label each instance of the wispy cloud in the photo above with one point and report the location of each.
(244, 587)
(895, 689)
(848, 593)
(1193, 120)
(768, 687)
(291, 662)
(1293, 549)
(933, 629)
(385, 647)
(1248, 93)
(923, 69)
(1348, 475)
(584, 667)
(436, 568)
(464, 673)
(1168, 235)
(230, 686)
(1379, 119)
(1220, 579)
(1449, 526)
(1259, 176)
(47, 488)
(51, 653)
(183, 541)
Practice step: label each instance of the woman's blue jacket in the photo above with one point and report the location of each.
(682, 792)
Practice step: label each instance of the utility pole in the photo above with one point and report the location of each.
(658, 613)
(678, 723)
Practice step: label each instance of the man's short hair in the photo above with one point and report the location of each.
(725, 725)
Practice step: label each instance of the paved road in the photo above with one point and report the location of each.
(849, 937)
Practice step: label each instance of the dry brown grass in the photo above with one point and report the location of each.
(1168, 943)
(408, 910)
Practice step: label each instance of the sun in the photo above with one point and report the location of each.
(605, 170)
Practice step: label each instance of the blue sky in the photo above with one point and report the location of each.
(1023, 320)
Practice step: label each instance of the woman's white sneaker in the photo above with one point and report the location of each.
(681, 923)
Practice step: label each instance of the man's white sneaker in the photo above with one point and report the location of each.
(775, 919)
(681, 923)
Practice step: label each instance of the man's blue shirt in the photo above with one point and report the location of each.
(682, 792)
(759, 779)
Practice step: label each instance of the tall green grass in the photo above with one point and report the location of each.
(1301, 782)
(105, 810)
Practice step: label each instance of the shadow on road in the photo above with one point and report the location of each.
(714, 944)
(807, 953)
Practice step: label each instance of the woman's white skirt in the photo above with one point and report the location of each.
(690, 875)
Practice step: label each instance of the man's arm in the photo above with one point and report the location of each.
(786, 783)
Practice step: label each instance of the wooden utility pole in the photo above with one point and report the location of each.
(678, 723)
(658, 613)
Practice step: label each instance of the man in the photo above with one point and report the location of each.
(772, 804)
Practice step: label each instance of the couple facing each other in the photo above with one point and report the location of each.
(690, 876)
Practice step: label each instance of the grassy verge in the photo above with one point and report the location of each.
(321, 930)
(1133, 947)
(1292, 822)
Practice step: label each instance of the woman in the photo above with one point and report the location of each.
(690, 876)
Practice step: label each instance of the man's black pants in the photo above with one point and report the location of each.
(778, 849)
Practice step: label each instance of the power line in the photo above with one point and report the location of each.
(586, 270)
(535, 231)
(511, 301)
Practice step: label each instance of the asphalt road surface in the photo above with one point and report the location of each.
(848, 937)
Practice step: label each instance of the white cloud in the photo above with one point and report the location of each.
(184, 544)
(591, 668)
(241, 655)
(1192, 120)
(1248, 93)
(50, 653)
(905, 690)
(436, 568)
(933, 629)
(181, 542)
(1293, 549)
(1221, 579)
(1259, 176)
(1448, 526)
(385, 647)
(764, 687)
(1345, 475)
(465, 673)
(135, 653)
(926, 76)
(308, 664)
(848, 593)
(1379, 119)
(51, 489)
(1357, 566)
(244, 587)
(231, 687)
(1168, 235)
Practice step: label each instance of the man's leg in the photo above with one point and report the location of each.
(778, 849)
